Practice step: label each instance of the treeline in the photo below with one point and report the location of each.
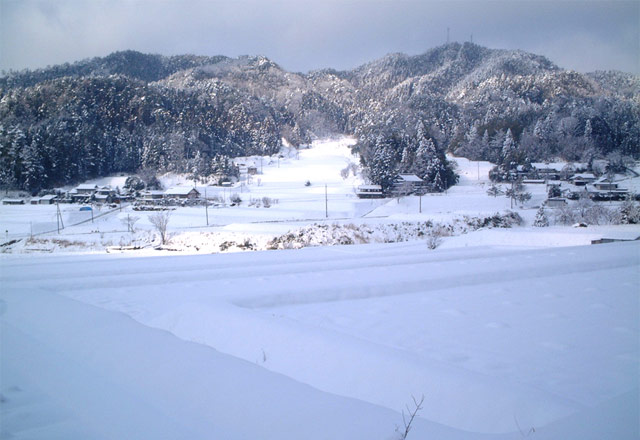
(68, 130)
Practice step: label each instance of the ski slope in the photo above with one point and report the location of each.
(323, 343)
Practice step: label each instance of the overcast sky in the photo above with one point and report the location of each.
(303, 35)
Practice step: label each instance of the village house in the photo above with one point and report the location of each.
(105, 194)
(407, 184)
(605, 184)
(152, 195)
(582, 179)
(181, 192)
(49, 199)
(86, 189)
(369, 192)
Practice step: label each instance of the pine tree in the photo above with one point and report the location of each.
(541, 220)
(381, 169)
(33, 175)
(509, 159)
(629, 211)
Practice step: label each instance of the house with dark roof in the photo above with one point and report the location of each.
(181, 192)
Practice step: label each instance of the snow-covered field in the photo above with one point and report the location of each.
(328, 342)
(507, 333)
(293, 205)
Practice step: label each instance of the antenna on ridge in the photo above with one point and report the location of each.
(447, 35)
(471, 38)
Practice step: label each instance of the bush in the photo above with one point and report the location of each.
(235, 198)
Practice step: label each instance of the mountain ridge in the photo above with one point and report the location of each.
(154, 111)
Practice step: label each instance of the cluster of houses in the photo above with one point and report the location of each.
(573, 181)
(88, 193)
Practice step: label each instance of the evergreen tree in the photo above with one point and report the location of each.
(34, 177)
(381, 169)
(629, 211)
(541, 220)
(509, 159)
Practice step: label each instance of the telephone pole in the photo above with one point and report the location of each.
(326, 202)
(206, 205)
(59, 217)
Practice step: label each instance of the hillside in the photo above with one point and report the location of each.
(130, 110)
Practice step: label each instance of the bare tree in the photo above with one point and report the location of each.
(130, 222)
(160, 221)
(407, 419)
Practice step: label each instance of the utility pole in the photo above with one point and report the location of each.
(420, 198)
(512, 189)
(206, 205)
(59, 217)
(326, 202)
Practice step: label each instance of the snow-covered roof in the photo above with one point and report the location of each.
(86, 186)
(604, 179)
(557, 166)
(370, 188)
(409, 178)
(48, 197)
(584, 176)
(180, 190)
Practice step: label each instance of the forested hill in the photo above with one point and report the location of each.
(189, 113)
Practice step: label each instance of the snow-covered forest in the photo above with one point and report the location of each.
(130, 111)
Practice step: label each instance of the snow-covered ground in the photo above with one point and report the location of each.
(508, 333)
(293, 206)
(328, 342)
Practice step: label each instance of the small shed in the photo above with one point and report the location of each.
(556, 202)
(49, 199)
(12, 202)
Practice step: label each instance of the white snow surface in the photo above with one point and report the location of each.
(507, 333)
(323, 343)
